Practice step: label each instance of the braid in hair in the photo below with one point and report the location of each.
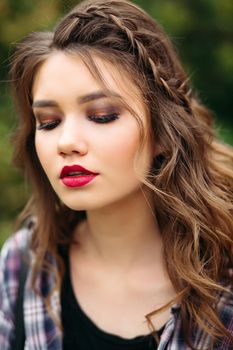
(176, 90)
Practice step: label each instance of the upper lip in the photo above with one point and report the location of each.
(66, 170)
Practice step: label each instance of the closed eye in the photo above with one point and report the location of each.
(48, 125)
(100, 119)
(103, 119)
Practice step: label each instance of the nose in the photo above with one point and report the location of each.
(71, 138)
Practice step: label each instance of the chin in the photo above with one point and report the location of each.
(81, 206)
(75, 206)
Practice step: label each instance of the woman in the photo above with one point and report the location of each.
(129, 227)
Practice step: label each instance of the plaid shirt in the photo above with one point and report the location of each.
(42, 333)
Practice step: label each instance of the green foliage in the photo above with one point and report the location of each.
(201, 31)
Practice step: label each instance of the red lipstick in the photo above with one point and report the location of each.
(76, 176)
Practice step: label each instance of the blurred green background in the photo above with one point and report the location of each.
(200, 29)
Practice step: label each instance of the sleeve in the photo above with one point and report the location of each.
(10, 263)
(225, 307)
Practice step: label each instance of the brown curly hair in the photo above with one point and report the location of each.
(191, 179)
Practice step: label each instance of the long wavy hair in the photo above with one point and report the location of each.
(191, 179)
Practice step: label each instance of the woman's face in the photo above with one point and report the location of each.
(78, 126)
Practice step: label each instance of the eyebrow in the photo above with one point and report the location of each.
(81, 99)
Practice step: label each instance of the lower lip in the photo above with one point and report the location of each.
(77, 181)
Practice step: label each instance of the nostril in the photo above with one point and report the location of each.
(65, 149)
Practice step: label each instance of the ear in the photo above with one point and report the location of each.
(157, 150)
(158, 158)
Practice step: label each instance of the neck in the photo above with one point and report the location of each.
(124, 235)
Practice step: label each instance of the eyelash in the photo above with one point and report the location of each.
(104, 119)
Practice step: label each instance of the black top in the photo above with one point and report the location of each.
(80, 333)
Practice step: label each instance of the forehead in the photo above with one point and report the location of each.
(64, 75)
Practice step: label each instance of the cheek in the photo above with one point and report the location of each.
(119, 155)
(120, 148)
